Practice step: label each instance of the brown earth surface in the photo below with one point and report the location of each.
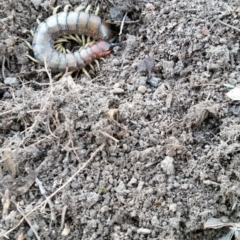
(148, 148)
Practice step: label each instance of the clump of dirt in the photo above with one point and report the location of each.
(146, 149)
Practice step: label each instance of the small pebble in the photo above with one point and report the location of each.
(117, 91)
(92, 224)
(140, 186)
(121, 189)
(116, 14)
(104, 209)
(144, 231)
(167, 165)
(36, 3)
(173, 207)
(137, 97)
(155, 221)
(153, 81)
(11, 81)
(30, 232)
(142, 89)
(116, 62)
(132, 181)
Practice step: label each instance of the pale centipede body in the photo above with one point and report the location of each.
(65, 23)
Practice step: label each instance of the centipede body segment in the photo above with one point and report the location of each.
(71, 23)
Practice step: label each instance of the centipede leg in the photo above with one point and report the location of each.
(97, 63)
(58, 75)
(78, 39)
(73, 37)
(32, 58)
(32, 33)
(38, 21)
(91, 66)
(79, 8)
(67, 7)
(88, 8)
(55, 10)
(86, 73)
(97, 10)
(28, 44)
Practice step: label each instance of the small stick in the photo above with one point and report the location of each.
(64, 210)
(228, 25)
(3, 67)
(109, 136)
(121, 27)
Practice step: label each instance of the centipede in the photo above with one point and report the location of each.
(63, 23)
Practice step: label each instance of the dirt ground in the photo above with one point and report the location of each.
(148, 148)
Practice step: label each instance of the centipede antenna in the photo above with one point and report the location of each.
(56, 9)
(122, 24)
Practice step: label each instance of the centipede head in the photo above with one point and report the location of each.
(102, 49)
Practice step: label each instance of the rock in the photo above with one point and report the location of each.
(144, 231)
(167, 165)
(11, 81)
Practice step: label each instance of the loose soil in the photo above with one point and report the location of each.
(148, 148)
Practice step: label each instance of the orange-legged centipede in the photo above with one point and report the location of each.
(69, 23)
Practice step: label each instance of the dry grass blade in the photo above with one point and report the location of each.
(9, 163)
(6, 203)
